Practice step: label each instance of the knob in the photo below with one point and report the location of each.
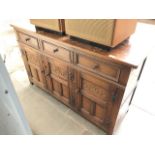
(56, 50)
(77, 90)
(95, 66)
(27, 39)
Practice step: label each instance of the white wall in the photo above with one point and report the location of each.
(7, 35)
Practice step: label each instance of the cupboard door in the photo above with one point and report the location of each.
(33, 64)
(57, 76)
(96, 100)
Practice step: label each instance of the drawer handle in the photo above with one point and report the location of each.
(42, 71)
(27, 39)
(95, 66)
(55, 50)
(77, 90)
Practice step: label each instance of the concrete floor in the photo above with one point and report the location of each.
(46, 115)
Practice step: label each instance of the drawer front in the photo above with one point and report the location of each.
(105, 69)
(29, 40)
(56, 51)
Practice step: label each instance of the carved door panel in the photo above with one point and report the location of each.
(34, 67)
(58, 77)
(95, 99)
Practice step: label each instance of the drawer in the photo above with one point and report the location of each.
(105, 69)
(29, 40)
(56, 51)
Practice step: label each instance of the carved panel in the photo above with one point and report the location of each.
(33, 58)
(34, 66)
(61, 72)
(57, 72)
(95, 90)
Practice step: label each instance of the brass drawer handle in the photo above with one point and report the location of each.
(55, 50)
(95, 66)
(27, 39)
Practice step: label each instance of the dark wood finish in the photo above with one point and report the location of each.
(94, 83)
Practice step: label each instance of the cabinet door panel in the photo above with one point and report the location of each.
(95, 99)
(34, 67)
(35, 73)
(57, 87)
(57, 76)
(65, 91)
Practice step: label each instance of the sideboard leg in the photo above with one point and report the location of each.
(31, 83)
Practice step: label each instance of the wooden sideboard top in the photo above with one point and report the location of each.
(130, 53)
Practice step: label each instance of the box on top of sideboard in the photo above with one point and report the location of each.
(107, 32)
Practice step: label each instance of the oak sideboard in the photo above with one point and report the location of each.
(95, 83)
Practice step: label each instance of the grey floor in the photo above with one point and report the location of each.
(46, 115)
